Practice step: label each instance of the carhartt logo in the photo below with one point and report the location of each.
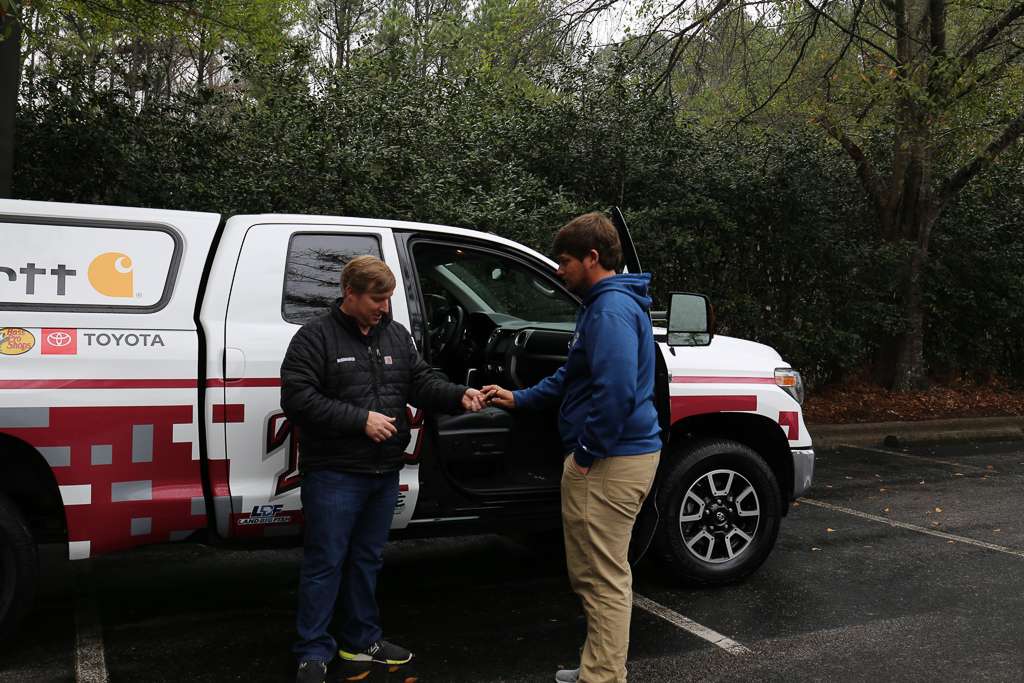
(111, 274)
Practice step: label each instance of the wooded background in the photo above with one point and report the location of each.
(844, 178)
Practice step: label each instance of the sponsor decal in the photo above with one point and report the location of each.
(58, 342)
(110, 274)
(15, 341)
(403, 494)
(265, 514)
(145, 339)
(280, 434)
(30, 272)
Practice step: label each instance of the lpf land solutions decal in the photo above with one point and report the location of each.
(15, 341)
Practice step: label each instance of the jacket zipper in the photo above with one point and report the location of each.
(375, 364)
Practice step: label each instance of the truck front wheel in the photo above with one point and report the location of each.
(19, 563)
(720, 510)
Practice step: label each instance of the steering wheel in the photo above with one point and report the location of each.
(446, 323)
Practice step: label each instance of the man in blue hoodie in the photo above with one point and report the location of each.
(609, 428)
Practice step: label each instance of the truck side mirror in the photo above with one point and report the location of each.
(690, 320)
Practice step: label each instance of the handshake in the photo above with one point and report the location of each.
(381, 427)
(492, 395)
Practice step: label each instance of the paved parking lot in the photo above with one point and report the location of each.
(900, 564)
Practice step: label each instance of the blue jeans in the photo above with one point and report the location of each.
(347, 517)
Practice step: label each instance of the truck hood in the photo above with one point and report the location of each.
(725, 356)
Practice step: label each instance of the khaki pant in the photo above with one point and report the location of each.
(598, 510)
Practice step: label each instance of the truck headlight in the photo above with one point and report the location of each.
(790, 381)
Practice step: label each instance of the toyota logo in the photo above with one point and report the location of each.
(58, 339)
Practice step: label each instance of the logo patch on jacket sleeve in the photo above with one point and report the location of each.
(347, 359)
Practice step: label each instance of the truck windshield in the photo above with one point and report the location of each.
(488, 282)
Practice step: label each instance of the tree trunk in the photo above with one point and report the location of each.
(908, 370)
(10, 81)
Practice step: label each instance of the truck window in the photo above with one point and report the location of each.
(102, 268)
(312, 274)
(489, 282)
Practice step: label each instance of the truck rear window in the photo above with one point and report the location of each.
(47, 266)
(312, 278)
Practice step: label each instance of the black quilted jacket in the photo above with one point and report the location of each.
(333, 375)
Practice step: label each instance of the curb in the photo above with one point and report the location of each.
(924, 431)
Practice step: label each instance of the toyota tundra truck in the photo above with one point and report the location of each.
(140, 352)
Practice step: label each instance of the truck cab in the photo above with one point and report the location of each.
(140, 389)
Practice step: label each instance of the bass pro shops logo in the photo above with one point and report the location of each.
(110, 274)
(15, 341)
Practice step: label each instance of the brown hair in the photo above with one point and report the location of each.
(590, 231)
(367, 275)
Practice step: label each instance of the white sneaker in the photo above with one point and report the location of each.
(567, 676)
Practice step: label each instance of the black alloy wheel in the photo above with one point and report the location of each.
(720, 511)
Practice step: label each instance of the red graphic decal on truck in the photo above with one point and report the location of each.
(124, 477)
(790, 421)
(685, 406)
(281, 433)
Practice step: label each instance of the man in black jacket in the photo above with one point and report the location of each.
(345, 382)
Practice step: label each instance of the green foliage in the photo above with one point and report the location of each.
(482, 119)
(976, 289)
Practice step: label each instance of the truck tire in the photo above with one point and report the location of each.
(720, 511)
(19, 563)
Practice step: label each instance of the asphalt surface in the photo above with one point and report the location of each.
(844, 595)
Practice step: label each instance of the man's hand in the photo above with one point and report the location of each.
(380, 427)
(579, 468)
(473, 400)
(496, 396)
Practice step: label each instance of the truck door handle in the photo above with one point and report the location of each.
(234, 363)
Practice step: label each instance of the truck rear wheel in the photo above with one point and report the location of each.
(19, 562)
(720, 510)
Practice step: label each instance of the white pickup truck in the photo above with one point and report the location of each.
(139, 389)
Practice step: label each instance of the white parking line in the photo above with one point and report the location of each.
(713, 637)
(90, 660)
(913, 527)
(923, 458)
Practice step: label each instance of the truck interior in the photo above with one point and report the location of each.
(493, 318)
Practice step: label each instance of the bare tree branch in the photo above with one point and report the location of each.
(1013, 13)
(865, 170)
(825, 15)
(958, 180)
(792, 70)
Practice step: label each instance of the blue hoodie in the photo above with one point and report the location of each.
(607, 383)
